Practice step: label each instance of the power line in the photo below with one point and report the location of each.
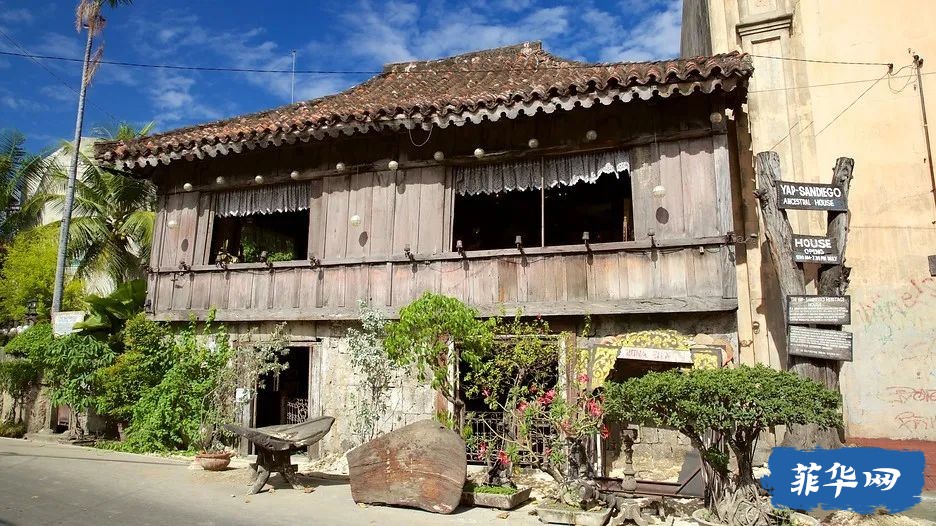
(816, 61)
(35, 58)
(374, 72)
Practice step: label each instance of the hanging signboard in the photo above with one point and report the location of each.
(819, 343)
(810, 196)
(819, 310)
(815, 249)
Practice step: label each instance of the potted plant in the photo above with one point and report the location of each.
(722, 412)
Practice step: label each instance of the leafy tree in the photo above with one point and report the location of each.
(69, 364)
(30, 342)
(28, 273)
(23, 186)
(108, 314)
(18, 377)
(374, 369)
(111, 230)
(436, 333)
(723, 410)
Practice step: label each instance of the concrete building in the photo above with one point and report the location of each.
(821, 89)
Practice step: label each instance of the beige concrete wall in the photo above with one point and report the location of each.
(801, 110)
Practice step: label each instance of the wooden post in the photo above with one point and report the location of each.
(833, 280)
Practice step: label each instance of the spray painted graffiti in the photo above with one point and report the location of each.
(918, 293)
(900, 394)
(912, 421)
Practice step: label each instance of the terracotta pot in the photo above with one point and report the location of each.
(215, 461)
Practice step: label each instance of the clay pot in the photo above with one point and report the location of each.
(214, 461)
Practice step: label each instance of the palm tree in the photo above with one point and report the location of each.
(87, 16)
(23, 186)
(112, 228)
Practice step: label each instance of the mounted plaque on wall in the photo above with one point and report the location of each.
(820, 343)
(819, 310)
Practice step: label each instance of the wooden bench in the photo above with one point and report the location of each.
(276, 444)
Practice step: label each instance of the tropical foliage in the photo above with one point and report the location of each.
(723, 411)
(28, 274)
(23, 186)
(108, 314)
(18, 377)
(112, 225)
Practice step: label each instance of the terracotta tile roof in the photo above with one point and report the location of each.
(438, 91)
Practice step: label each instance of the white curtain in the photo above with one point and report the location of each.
(291, 197)
(526, 175)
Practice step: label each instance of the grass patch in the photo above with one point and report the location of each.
(471, 487)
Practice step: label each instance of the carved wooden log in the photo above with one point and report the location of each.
(422, 465)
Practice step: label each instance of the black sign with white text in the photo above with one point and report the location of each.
(819, 310)
(810, 196)
(814, 249)
(820, 343)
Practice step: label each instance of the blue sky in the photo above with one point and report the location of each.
(347, 35)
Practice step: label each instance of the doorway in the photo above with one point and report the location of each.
(284, 398)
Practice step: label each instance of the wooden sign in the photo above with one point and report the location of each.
(819, 343)
(811, 196)
(819, 310)
(815, 249)
(655, 355)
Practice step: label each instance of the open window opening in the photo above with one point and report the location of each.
(284, 398)
(280, 236)
(560, 215)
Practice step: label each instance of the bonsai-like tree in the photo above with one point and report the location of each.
(436, 333)
(723, 411)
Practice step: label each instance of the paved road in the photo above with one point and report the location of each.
(43, 483)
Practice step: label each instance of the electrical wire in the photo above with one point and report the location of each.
(35, 58)
(373, 72)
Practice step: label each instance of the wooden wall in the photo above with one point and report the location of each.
(414, 208)
(672, 279)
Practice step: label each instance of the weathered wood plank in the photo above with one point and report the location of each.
(406, 211)
(286, 288)
(356, 280)
(203, 230)
(422, 465)
(336, 218)
(378, 290)
(201, 291)
(673, 270)
(170, 240)
(507, 279)
(699, 188)
(639, 270)
(404, 276)
(670, 214)
(309, 286)
(704, 273)
(722, 166)
(262, 293)
(645, 174)
(159, 232)
(333, 287)
(482, 282)
(431, 211)
(360, 203)
(318, 206)
(240, 289)
(603, 277)
(454, 278)
(576, 281)
(380, 235)
(220, 289)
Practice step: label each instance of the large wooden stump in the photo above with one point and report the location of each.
(422, 465)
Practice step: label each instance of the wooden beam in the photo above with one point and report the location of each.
(621, 246)
(542, 308)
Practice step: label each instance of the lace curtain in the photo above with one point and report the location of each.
(526, 175)
(262, 200)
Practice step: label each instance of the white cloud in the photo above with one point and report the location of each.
(59, 93)
(171, 94)
(656, 37)
(59, 45)
(15, 16)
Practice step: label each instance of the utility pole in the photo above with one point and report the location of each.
(292, 84)
(918, 63)
(72, 172)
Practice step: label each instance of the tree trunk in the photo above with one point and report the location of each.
(72, 177)
(832, 279)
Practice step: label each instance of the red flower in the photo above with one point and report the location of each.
(482, 449)
(593, 408)
(522, 406)
(503, 458)
(605, 433)
(566, 426)
(583, 379)
(547, 451)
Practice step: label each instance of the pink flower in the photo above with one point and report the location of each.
(583, 379)
(593, 408)
(486, 392)
(503, 458)
(522, 406)
(482, 449)
(547, 397)
(547, 451)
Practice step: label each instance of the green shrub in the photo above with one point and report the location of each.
(31, 342)
(12, 429)
(148, 355)
(69, 364)
(17, 378)
(722, 409)
(28, 273)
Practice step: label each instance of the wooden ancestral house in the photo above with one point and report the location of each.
(509, 178)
